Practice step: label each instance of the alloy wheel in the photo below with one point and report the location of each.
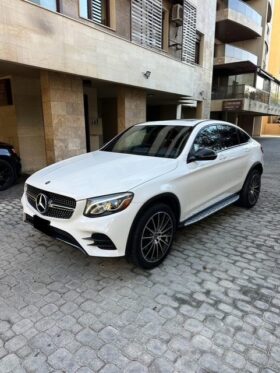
(157, 236)
(6, 174)
(254, 189)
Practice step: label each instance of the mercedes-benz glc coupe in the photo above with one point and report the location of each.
(128, 198)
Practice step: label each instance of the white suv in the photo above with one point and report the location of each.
(129, 197)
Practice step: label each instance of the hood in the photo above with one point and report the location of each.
(100, 173)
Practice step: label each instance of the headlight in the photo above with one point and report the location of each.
(106, 205)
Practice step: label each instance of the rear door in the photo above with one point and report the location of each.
(235, 157)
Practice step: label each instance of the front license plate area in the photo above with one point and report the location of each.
(41, 224)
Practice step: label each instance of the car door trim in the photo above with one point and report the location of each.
(210, 210)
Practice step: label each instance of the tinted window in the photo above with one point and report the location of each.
(229, 136)
(151, 140)
(243, 137)
(207, 138)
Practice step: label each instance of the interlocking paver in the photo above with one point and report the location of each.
(213, 306)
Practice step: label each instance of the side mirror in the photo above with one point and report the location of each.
(202, 154)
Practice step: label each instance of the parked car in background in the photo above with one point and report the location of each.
(10, 166)
(128, 198)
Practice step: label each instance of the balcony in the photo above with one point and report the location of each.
(234, 59)
(253, 100)
(237, 21)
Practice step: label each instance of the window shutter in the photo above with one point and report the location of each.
(146, 22)
(189, 33)
(96, 10)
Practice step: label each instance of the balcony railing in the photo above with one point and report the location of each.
(233, 54)
(245, 9)
(242, 91)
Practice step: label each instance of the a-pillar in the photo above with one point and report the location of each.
(132, 104)
(63, 111)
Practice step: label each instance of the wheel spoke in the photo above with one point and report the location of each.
(147, 255)
(149, 243)
(254, 189)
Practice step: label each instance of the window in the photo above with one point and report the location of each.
(207, 138)
(151, 140)
(228, 136)
(48, 4)
(243, 137)
(248, 79)
(6, 97)
(198, 48)
(96, 10)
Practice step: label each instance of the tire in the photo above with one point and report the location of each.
(153, 236)
(7, 174)
(250, 192)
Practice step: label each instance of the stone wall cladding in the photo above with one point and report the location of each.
(62, 97)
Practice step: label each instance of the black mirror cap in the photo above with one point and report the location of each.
(202, 154)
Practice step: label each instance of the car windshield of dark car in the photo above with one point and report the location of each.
(165, 141)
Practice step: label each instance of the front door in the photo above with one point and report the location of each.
(204, 181)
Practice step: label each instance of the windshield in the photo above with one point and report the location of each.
(151, 140)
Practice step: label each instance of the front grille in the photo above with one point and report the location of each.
(59, 206)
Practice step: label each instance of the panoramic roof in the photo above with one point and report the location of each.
(178, 122)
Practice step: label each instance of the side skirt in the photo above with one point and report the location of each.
(210, 210)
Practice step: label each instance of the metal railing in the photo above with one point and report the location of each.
(245, 9)
(240, 91)
(240, 54)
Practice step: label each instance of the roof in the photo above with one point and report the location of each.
(178, 122)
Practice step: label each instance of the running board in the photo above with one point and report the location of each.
(211, 210)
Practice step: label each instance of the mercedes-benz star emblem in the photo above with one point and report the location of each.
(42, 203)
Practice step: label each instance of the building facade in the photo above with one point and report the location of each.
(73, 73)
(243, 91)
(271, 125)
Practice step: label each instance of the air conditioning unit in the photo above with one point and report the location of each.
(177, 14)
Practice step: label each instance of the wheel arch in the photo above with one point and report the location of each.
(168, 198)
(256, 166)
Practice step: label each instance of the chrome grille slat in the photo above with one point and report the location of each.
(60, 207)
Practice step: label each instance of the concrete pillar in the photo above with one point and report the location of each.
(63, 111)
(257, 127)
(200, 110)
(179, 111)
(131, 106)
(28, 104)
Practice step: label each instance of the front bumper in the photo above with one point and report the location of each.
(78, 230)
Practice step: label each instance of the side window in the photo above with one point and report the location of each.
(229, 136)
(243, 137)
(207, 138)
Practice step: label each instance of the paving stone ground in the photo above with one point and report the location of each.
(213, 306)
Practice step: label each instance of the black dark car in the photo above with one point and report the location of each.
(10, 166)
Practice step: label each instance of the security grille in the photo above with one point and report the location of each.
(189, 33)
(96, 10)
(146, 22)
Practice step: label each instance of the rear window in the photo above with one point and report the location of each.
(243, 137)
